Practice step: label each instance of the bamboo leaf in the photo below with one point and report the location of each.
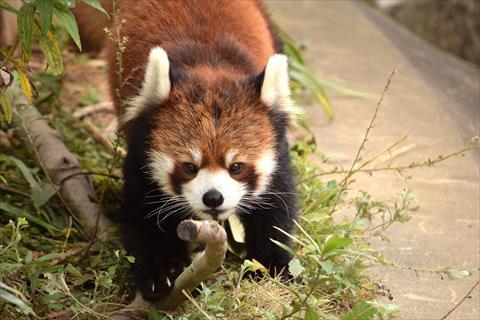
(334, 243)
(45, 11)
(301, 75)
(10, 295)
(27, 174)
(25, 85)
(295, 239)
(50, 256)
(6, 107)
(51, 50)
(344, 90)
(97, 5)
(68, 20)
(283, 246)
(17, 212)
(25, 22)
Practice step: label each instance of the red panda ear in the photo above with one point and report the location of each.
(156, 85)
(275, 89)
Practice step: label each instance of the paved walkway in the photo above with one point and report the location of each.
(435, 99)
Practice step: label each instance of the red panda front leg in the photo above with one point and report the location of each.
(259, 230)
(160, 256)
(147, 224)
(261, 223)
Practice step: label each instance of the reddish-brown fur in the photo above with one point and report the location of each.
(198, 31)
(229, 116)
(148, 23)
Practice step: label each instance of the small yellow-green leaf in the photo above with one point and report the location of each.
(6, 107)
(254, 265)
(51, 50)
(25, 85)
(68, 20)
(25, 22)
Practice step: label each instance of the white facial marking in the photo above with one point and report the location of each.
(231, 190)
(229, 156)
(161, 166)
(264, 167)
(196, 156)
(275, 88)
(156, 85)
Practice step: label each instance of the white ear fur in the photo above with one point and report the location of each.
(157, 81)
(275, 88)
(156, 85)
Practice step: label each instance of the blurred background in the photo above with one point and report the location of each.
(452, 25)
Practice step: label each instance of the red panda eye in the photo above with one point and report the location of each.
(236, 168)
(190, 168)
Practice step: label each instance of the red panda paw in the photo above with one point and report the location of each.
(160, 282)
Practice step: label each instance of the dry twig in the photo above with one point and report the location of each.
(94, 108)
(97, 134)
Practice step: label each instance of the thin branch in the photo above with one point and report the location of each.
(413, 165)
(112, 176)
(350, 172)
(461, 301)
(94, 108)
(97, 134)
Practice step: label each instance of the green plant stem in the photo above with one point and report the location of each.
(351, 172)
(413, 165)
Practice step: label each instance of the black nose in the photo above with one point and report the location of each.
(212, 198)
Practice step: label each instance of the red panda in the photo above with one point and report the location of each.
(204, 102)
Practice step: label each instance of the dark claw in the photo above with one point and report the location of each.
(160, 283)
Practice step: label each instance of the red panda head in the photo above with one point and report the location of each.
(213, 142)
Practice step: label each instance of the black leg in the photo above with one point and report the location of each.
(160, 257)
(259, 230)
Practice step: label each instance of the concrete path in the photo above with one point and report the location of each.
(435, 99)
